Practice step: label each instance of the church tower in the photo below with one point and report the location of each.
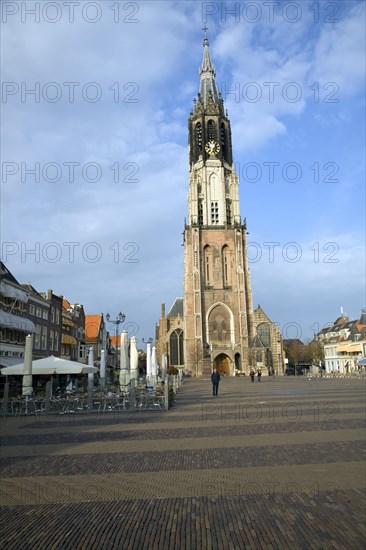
(218, 309)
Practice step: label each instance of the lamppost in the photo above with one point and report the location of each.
(119, 319)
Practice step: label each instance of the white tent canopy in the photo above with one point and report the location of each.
(50, 365)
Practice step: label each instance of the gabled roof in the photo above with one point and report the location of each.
(6, 274)
(260, 310)
(343, 324)
(29, 288)
(92, 327)
(177, 308)
(66, 304)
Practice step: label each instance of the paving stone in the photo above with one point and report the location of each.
(208, 474)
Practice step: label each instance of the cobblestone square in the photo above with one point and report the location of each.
(276, 464)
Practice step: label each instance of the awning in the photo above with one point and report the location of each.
(11, 291)
(352, 347)
(355, 348)
(15, 322)
(67, 339)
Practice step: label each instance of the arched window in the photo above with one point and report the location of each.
(208, 264)
(176, 348)
(200, 212)
(228, 213)
(181, 347)
(219, 324)
(211, 130)
(225, 266)
(198, 138)
(263, 333)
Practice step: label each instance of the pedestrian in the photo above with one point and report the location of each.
(259, 374)
(251, 374)
(215, 379)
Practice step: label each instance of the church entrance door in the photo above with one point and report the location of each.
(222, 364)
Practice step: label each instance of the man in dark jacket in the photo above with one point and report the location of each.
(215, 379)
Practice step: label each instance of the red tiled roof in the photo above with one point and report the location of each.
(92, 327)
(113, 340)
(66, 304)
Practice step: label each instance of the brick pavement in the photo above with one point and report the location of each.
(273, 465)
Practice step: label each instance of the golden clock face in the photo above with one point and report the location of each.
(212, 148)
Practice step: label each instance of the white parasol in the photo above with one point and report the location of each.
(124, 362)
(102, 369)
(148, 364)
(27, 388)
(91, 364)
(134, 359)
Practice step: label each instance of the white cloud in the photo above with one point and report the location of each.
(339, 55)
(162, 54)
(328, 270)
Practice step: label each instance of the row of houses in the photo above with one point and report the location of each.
(59, 327)
(344, 344)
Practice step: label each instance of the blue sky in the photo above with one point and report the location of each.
(107, 125)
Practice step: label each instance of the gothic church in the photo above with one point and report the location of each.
(214, 325)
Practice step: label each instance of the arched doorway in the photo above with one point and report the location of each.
(222, 364)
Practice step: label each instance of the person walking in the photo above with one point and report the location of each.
(259, 374)
(251, 374)
(215, 379)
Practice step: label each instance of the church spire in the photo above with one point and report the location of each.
(207, 74)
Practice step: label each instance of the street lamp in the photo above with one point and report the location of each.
(118, 320)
